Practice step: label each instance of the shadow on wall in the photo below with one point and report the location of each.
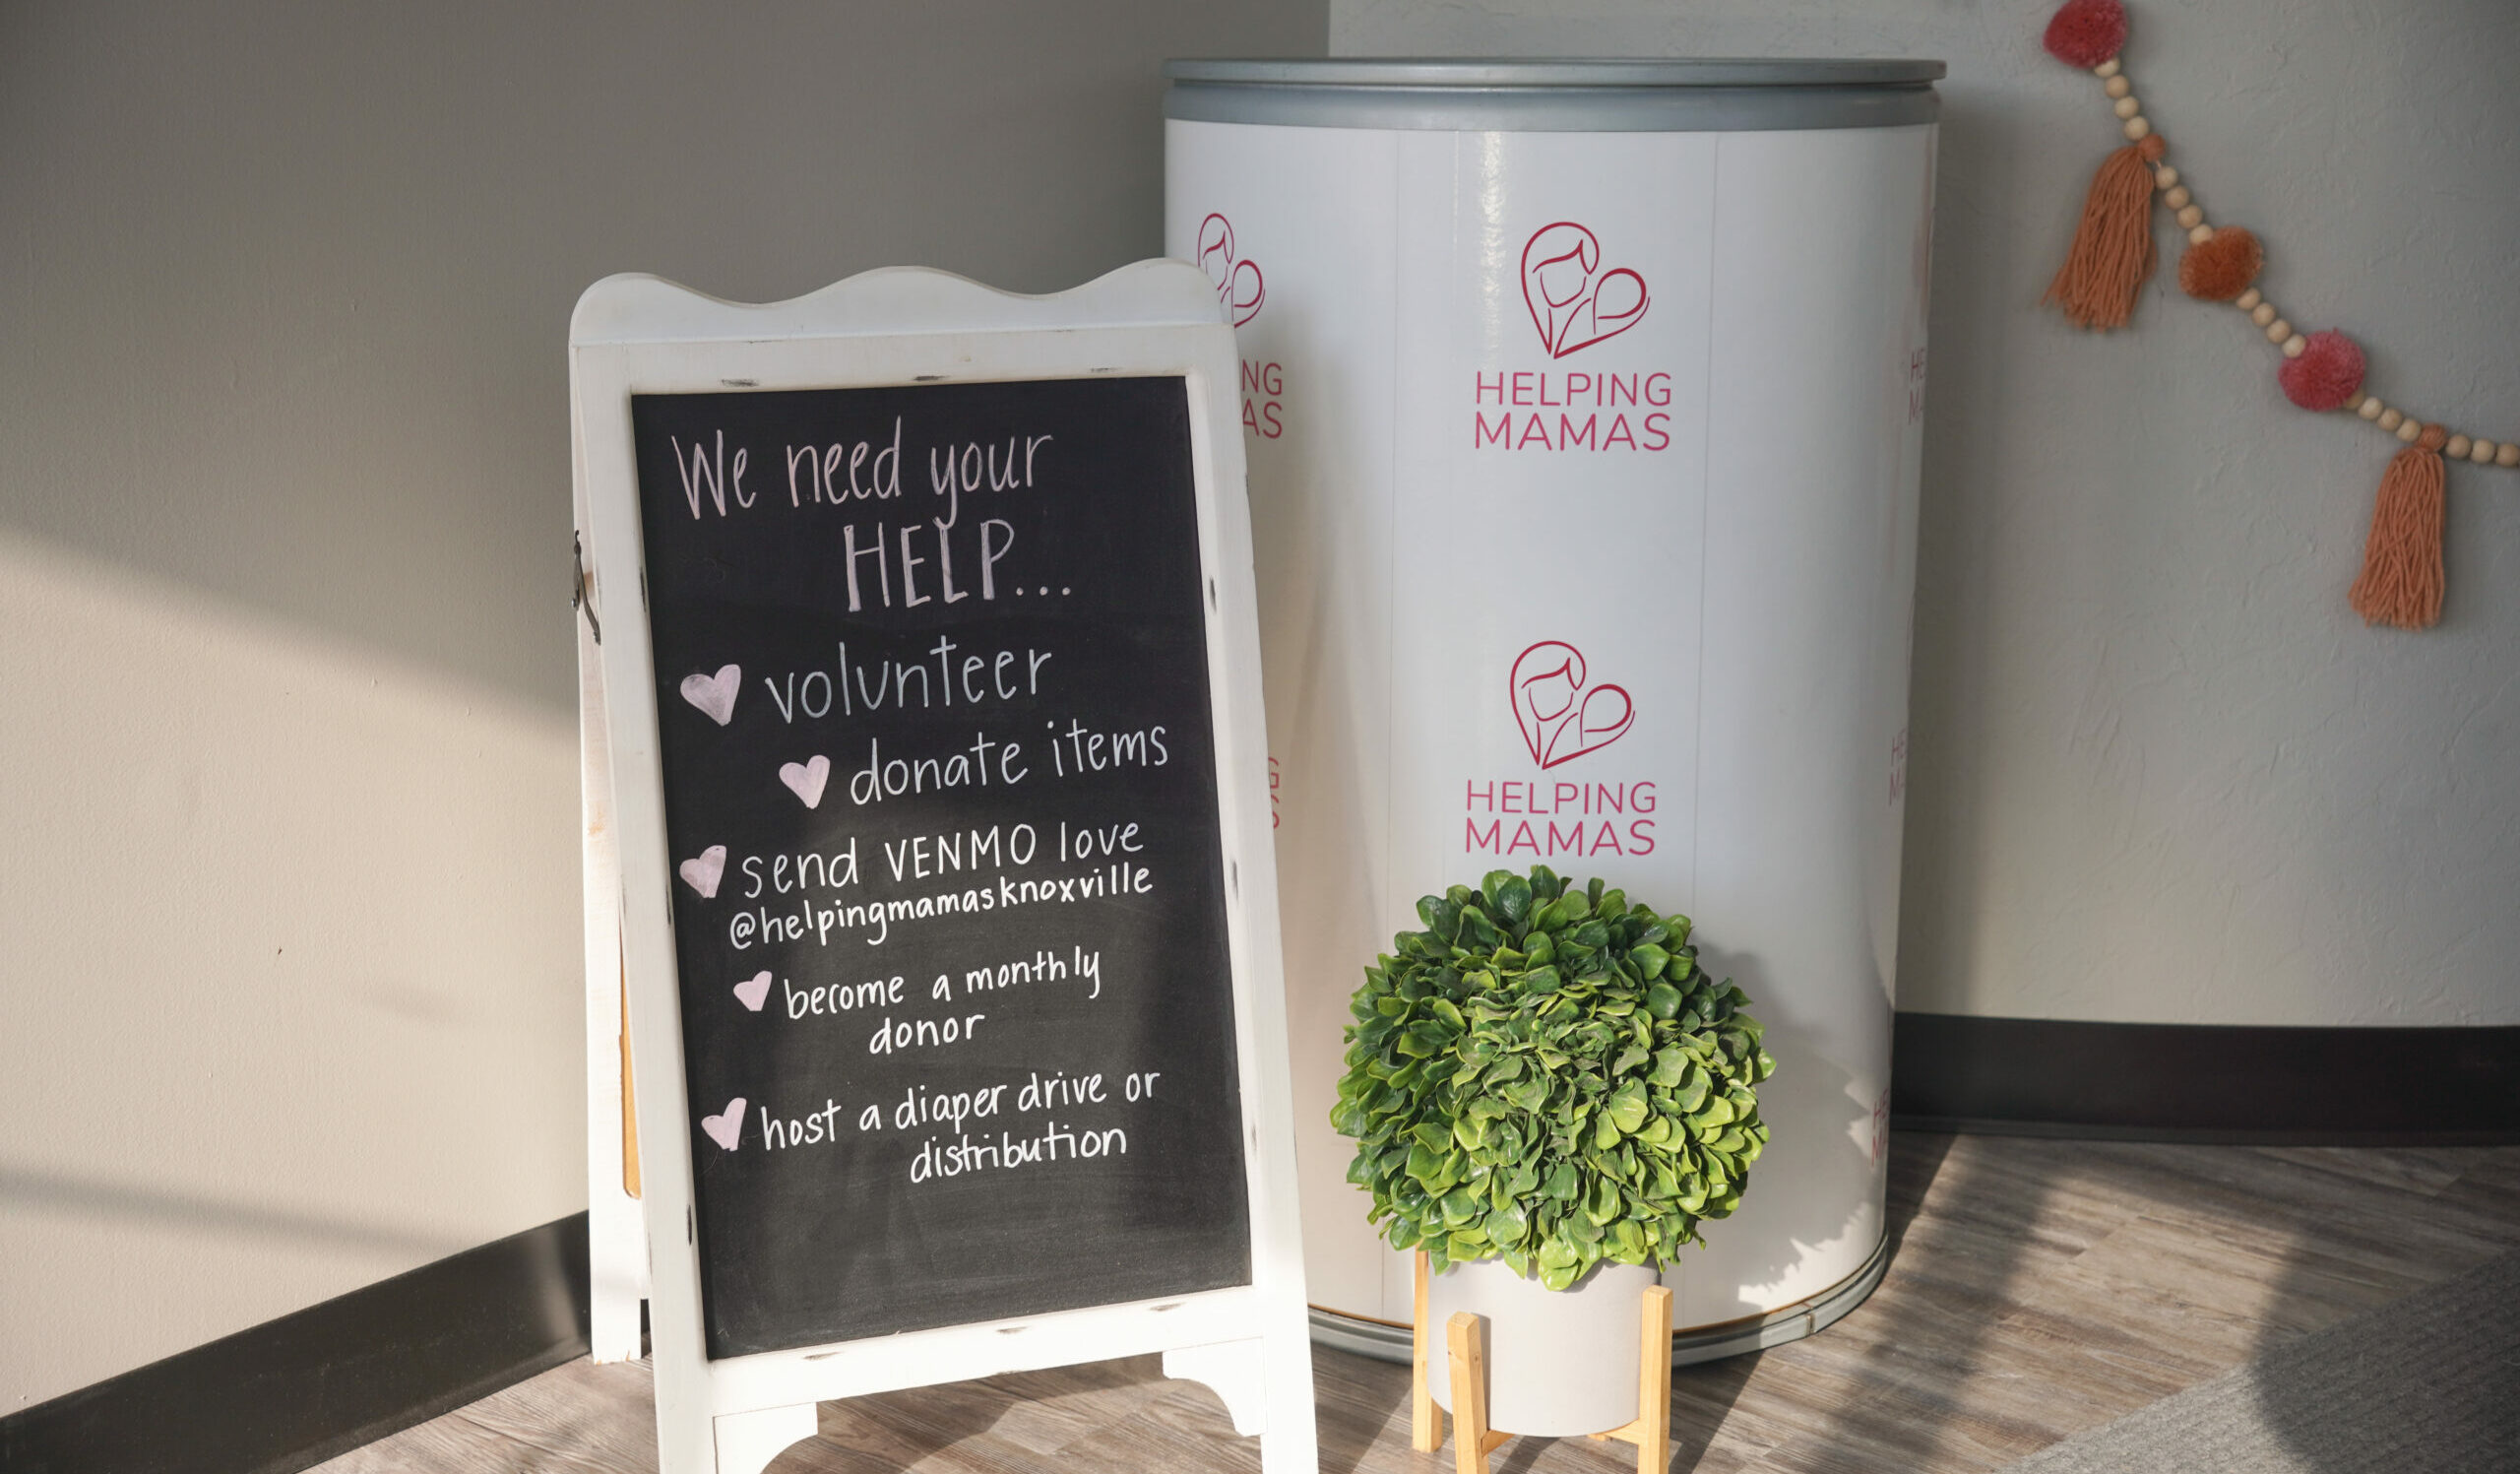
(1950, 695)
(290, 288)
(55, 1193)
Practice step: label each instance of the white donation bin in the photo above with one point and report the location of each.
(1583, 402)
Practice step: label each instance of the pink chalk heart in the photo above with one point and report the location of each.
(1573, 302)
(752, 991)
(1561, 715)
(702, 874)
(807, 778)
(715, 694)
(726, 1128)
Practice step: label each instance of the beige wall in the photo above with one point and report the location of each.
(290, 999)
(2159, 771)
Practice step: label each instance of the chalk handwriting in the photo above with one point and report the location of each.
(1043, 965)
(886, 683)
(700, 473)
(818, 1128)
(809, 920)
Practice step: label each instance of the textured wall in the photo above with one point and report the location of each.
(2159, 772)
(291, 996)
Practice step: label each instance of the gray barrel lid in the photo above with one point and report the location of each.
(1660, 95)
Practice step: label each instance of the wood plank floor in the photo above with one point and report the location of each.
(2036, 1288)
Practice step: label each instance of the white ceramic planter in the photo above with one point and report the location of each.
(1559, 1362)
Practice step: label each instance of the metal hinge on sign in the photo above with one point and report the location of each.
(579, 583)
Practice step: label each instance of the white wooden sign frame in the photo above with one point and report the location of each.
(641, 334)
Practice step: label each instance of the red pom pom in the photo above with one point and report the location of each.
(2087, 32)
(2328, 373)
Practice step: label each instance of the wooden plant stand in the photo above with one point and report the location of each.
(1465, 1341)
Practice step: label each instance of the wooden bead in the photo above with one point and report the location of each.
(2295, 345)
(2249, 300)
(2356, 401)
(2191, 215)
(2507, 454)
(2165, 176)
(2117, 87)
(2136, 129)
(2176, 197)
(2277, 330)
(2370, 408)
(2391, 420)
(2263, 313)
(2482, 451)
(2201, 233)
(2456, 447)
(2408, 431)
(2108, 68)
(2126, 107)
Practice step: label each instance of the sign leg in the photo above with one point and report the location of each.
(616, 1230)
(1292, 1443)
(748, 1442)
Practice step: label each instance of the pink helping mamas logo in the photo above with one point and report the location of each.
(1238, 282)
(1573, 302)
(1561, 715)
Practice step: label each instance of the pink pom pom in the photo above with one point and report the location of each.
(2087, 32)
(2326, 376)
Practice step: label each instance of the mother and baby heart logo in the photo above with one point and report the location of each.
(1561, 715)
(1573, 302)
(1238, 282)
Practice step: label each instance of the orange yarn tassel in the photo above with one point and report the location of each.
(2112, 253)
(2402, 579)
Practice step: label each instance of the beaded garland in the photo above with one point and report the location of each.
(2113, 255)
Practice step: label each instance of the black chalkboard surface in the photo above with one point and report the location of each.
(940, 786)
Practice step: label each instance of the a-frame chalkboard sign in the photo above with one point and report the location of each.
(928, 826)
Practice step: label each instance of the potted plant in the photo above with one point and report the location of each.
(1548, 1097)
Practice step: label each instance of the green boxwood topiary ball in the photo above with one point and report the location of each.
(1545, 1076)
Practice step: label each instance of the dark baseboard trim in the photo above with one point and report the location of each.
(292, 1392)
(2201, 1083)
